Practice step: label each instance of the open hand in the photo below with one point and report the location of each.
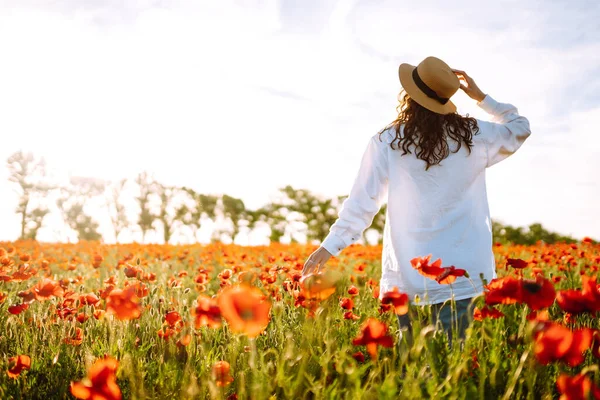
(472, 90)
(316, 261)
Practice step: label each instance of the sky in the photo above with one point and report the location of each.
(244, 97)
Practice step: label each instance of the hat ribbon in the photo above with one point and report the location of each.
(426, 89)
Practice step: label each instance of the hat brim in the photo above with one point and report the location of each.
(409, 85)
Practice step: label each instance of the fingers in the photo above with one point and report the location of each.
(313, 265)
(309, 266)
(460, 72)
(463, 87)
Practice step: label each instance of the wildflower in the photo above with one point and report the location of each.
(579, 301)
(373, 333)
(207, 313)
(346, 303)
(576, 387)
(554, 342)
(245, 308)
(220, 372)
(486, 312)
(76, 339)
(435, 271)
(516, 263)
(18, 364)
(398, 300)
(101, 382)
(18, 308)
(537, 294)
(124, 304)
(359, 356)
(320, 285)
(47, 288)
(353, 290)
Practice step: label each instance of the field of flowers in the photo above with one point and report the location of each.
(95, 321)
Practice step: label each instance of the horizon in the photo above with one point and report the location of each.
(292, 94)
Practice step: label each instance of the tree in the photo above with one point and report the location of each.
(116, 208)
(170, 211)
(146, 188)
(28, 172)
(72, 201)
(507, 234)
(318, 213)
(234, 210)
(274, 216)
(202, 206)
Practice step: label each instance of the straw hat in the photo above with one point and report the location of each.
(431, 84)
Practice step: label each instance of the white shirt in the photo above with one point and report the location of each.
(443, 211)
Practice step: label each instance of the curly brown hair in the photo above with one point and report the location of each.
(428, 130)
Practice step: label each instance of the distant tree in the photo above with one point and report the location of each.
(507, 234)
(71, 202)
(234, 210)
(171, 211)
(28, 172)
(202, 206)
(116, 208)
(145, 190)
(318, 213)
(272, 214)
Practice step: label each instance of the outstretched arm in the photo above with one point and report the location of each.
(360, 207)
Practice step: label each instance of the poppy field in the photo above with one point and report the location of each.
(132, 321)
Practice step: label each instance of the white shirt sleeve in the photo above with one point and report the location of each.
(507, 131)
(365, 199)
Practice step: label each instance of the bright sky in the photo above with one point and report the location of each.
(243, 97)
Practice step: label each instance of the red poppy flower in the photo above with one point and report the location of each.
(124, 304)
(359, 356)
(184, 340)
(579, 301)
(207, 313)
(537, 294)
(578, 387)
(435, 271)
(373, 333)
(166, 333)
(554, 342)
(486, 312)
(449, 275)
(221, 373)
(398, 300)
(18, 308)
(101, 382)
(245, 308)
(18, 364)
(77, 338)
(351, 315)
(421, 264)
(172, 318)
(47, 288)
(352, 290)
(516, 263)
(346, 303)
(89, 299)
(319, 285)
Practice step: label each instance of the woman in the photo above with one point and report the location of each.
(436, 192)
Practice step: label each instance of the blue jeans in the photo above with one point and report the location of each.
(448, 317)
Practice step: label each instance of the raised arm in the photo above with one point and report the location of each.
(506, 134)
(507, 131)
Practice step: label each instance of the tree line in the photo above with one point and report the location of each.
(167, 209)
